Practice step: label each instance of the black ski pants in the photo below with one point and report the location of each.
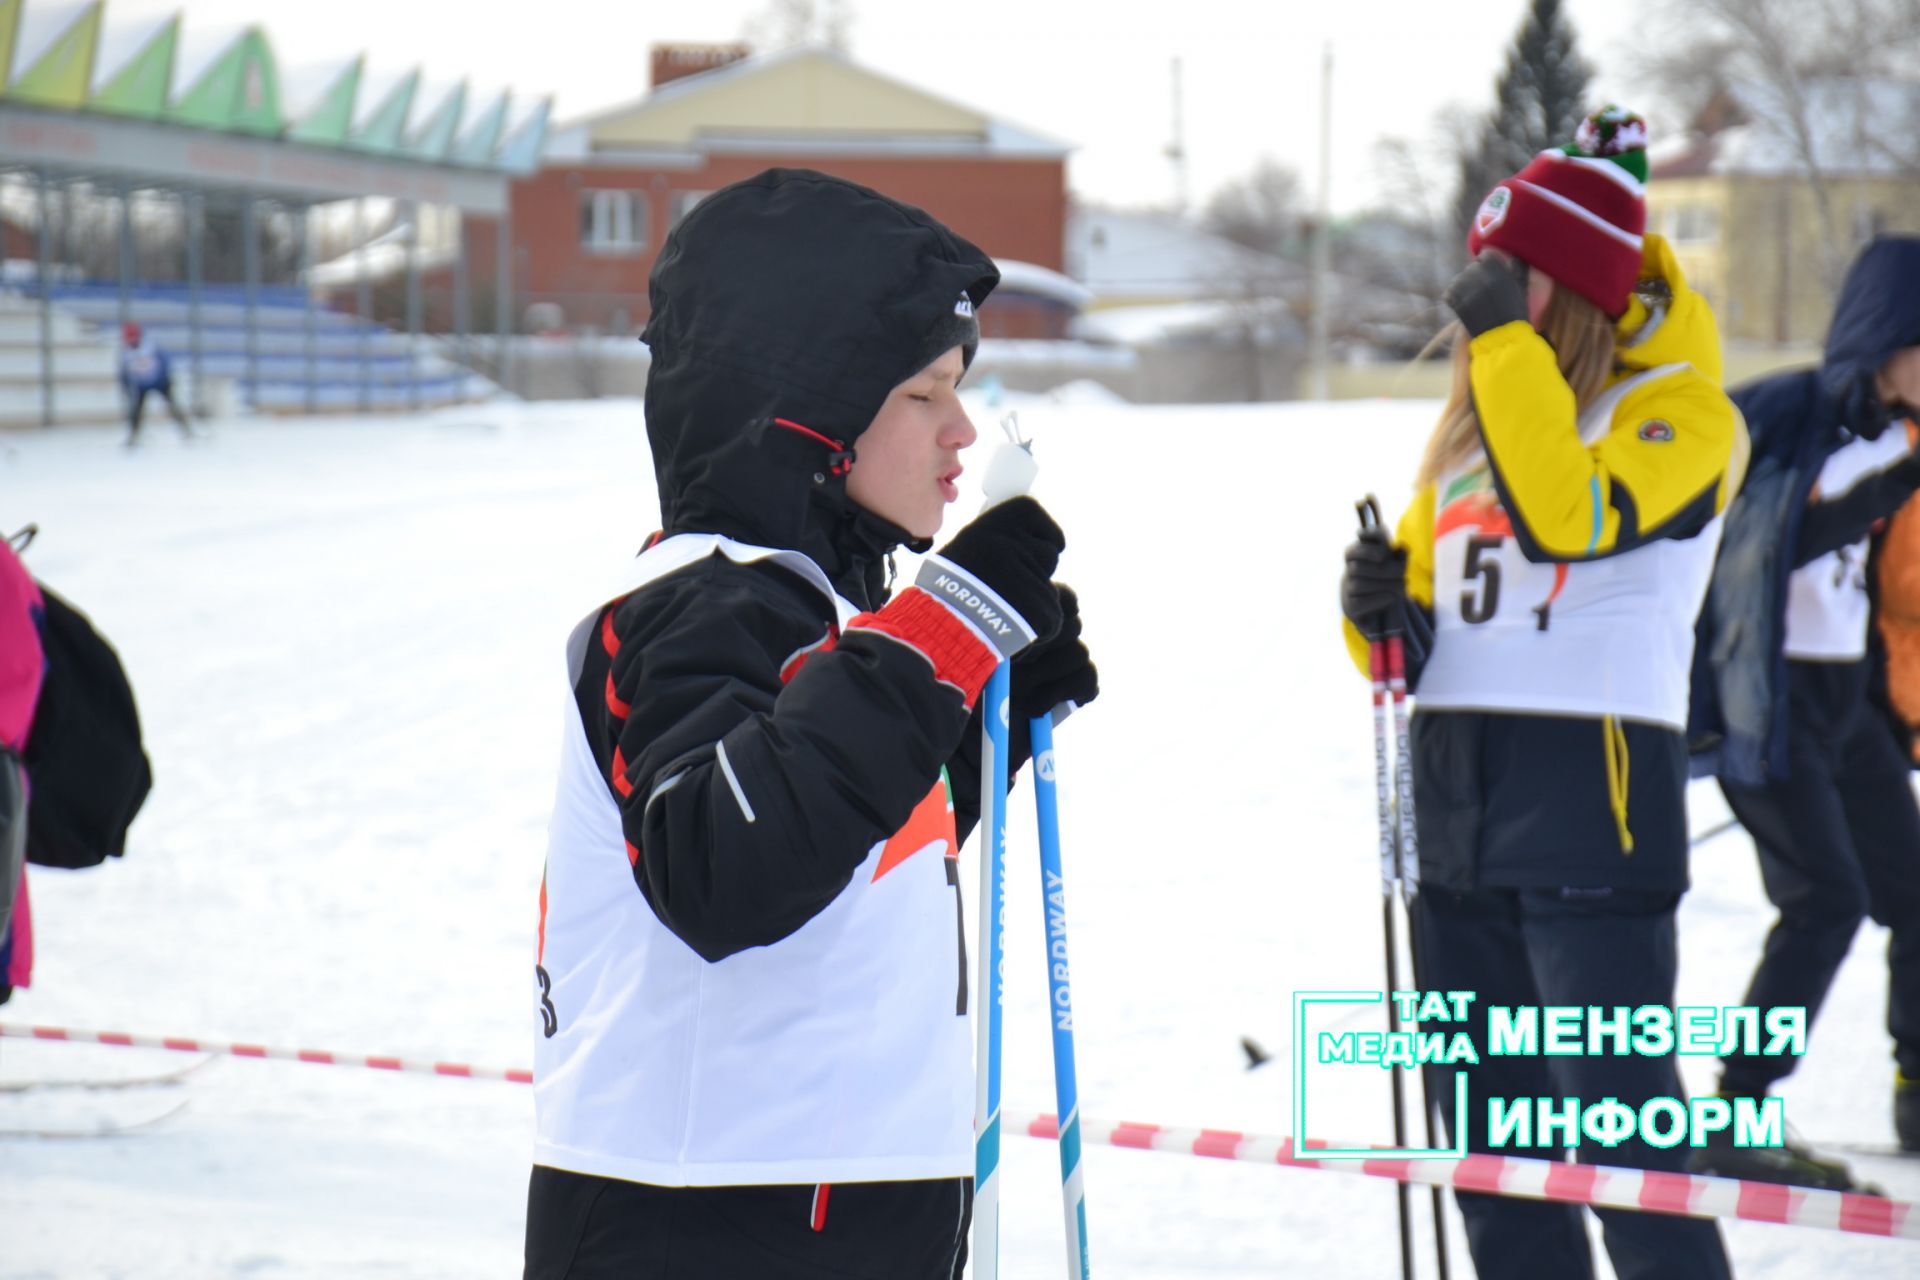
(136, 409)
(582, 1227)
(1839, 840)
(1536, 947)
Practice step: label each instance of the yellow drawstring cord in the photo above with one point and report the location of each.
(1615, 742)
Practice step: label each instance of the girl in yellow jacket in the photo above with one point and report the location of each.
(1546, 578)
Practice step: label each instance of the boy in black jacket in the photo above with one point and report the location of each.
(755, 1058)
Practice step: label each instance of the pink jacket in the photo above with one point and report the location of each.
(22, 668)
(22, 663)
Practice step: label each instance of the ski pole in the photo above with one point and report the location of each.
(1400, 861)
(1407, 848)
(1066, 1086)
(986, 1084)
(1010, 473)
(1713, 832)
(1377, 663)
(1429, 1103)
(1407, 864)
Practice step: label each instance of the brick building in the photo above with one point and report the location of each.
(588, 225)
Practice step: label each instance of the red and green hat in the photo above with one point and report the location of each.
(1577, 212)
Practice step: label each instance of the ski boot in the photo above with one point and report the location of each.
(1792, 1163)
(1906, 1112)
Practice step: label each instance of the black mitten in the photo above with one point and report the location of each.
(1492, 291)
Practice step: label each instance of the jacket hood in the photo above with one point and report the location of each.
(1878, 313)
(1680, 329)
(785, 309)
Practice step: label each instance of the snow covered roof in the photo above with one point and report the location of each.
(382, 258)
(1139, 256)
(1150, 325)
(1039, 282)
(808, 98)
(1157, 278)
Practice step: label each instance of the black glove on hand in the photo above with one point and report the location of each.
(1492, 291)
(1013, 549)
(1044, 675)
(1373, 590)
(1055, 670)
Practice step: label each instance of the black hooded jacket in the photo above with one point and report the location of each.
(785, 310)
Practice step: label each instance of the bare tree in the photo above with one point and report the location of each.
(794, 24)
(1809, 73)
(1416, 202)
(1264, 210)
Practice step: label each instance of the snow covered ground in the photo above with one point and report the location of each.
(345, 637)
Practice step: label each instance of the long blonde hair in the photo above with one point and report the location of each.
(1582, 338)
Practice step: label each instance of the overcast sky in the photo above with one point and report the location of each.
(1093, 73)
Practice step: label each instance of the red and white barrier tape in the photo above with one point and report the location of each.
(320, 1057)
(1601, 1186)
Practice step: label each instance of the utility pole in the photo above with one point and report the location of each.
(1323, 238)
(1177, 147)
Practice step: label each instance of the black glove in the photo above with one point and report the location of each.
(1055, 670)
(1044, 675)
(1373, 590)
(1013, 548)
(1492, 291)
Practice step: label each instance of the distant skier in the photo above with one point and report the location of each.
(754, 1057)
(1807, 761)
(1546, 579)
(145, 370)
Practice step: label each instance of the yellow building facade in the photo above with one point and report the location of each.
(1737, 201)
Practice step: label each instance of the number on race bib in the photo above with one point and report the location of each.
(549, 1019)
(1478, 608)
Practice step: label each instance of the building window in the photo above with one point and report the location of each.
(1693, 224)
(683, 203)
(613, 221)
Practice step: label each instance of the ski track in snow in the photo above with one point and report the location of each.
(346, 637)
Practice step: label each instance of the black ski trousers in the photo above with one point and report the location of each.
(1839, 840)
(1537, 947)
(136, 409)
(583, 1227)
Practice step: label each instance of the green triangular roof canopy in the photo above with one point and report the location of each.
(521, 152)
(384, 127)
(240, 91)
(140, 88)
(9, 34)
(332, 117)
(63, 74)
(477, 147)
(435, 138)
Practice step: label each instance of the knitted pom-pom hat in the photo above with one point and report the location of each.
(1577, 212)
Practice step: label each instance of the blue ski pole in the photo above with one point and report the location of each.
(1066, 1085)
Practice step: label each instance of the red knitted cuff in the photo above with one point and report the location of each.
(958, 654)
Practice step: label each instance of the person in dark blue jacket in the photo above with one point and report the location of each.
(145, 370)
(1781, 672)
